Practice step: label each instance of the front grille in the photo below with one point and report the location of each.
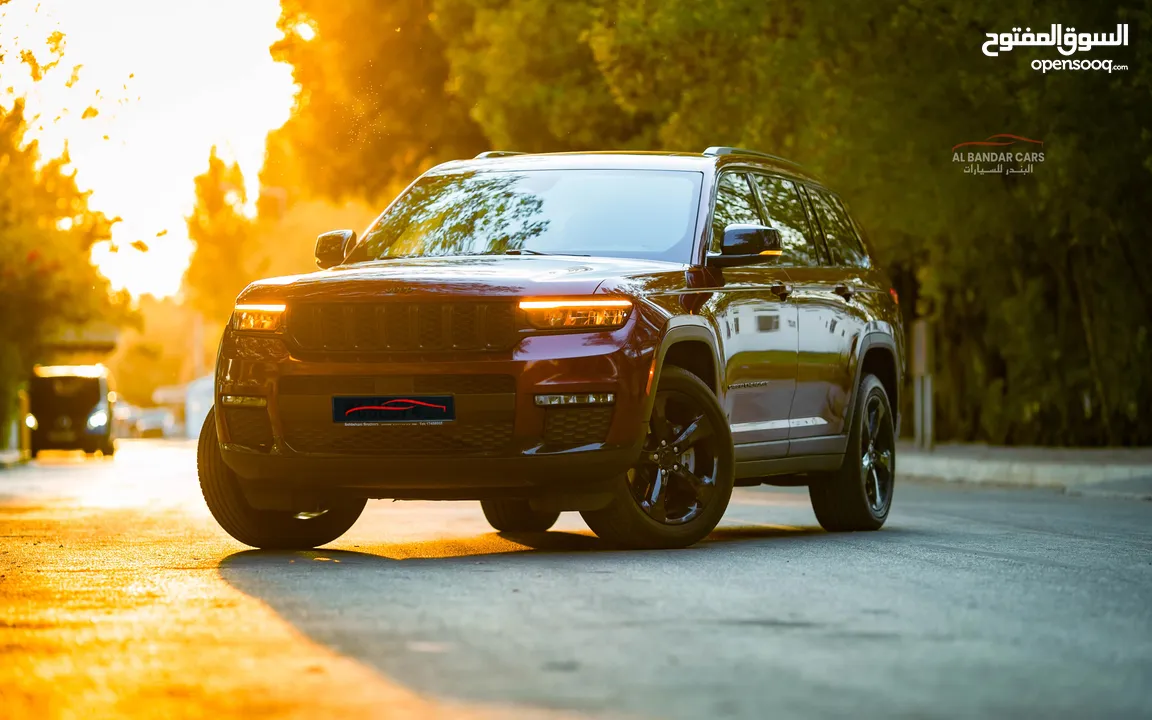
(402, 326)
(249, 427)
(573, 427)
(329, 437)
(396, 384)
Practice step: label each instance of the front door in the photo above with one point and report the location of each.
(757, 329)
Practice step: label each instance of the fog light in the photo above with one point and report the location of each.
(243, 401)
(576, 399)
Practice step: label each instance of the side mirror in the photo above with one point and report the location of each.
(332, 247)
(746, 244)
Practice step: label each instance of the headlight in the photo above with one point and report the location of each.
(257, 317)
(577, 313)
(30, 421)
(97, 419)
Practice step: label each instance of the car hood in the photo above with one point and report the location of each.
(494, 276)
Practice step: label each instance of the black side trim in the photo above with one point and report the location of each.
(788, 465)
(869, 341)
(823, 445)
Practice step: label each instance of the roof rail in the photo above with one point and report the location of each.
(718, 150)
(497, 153)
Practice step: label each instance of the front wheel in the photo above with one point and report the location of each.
(681, 483)
(266, 529)
(858, 496)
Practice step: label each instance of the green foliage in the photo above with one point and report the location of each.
(1037, 285)
(225, 259)
(373, 107)
(46, 277)
(526, 71)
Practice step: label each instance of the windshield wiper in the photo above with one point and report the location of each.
(537, 252)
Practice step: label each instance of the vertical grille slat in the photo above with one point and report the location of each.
(402, 326)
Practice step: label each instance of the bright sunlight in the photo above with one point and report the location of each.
(142, 92)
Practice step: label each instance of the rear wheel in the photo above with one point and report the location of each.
(268, 529)
(859, 495)
(517, 516)
(682, 481)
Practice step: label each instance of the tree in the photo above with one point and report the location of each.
(46, 277)
(373, 109)
(225, 259)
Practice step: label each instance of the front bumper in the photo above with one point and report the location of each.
(503, 440)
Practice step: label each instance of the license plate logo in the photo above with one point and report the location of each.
(394, 409)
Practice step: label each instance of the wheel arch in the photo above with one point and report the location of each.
(877, 356)
(689, 344)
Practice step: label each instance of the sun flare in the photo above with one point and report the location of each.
(142, 92)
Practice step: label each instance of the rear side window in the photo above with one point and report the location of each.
(843, 244)
(784, 209)
(735, 203)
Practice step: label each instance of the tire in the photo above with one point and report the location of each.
(641, 513)
(846, 500)
(109, 448)
(517, 516)
(266, 529)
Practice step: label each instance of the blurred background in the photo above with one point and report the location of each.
(157, 157)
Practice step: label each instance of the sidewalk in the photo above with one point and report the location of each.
(1083, 471)
(8, 458)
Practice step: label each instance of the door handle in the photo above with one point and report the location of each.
(780, 290)
(844, 291)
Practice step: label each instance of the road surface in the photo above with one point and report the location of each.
(119, 595)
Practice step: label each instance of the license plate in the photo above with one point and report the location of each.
(393, 409)
(62, 436)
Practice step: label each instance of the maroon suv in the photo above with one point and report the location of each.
(627, 335)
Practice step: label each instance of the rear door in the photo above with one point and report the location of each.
(757, 328)
(832, 322)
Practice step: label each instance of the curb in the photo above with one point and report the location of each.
(1099, 479)
(10, 458)
(1030, 473)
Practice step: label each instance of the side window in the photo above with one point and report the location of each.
(735, 203)
(785, 210)
(843, 243)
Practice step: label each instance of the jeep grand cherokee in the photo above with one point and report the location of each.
(627, 335)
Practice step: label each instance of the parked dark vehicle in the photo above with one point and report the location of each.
(71, 409)
(628, 335)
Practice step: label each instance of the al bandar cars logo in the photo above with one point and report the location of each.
(1020, 160)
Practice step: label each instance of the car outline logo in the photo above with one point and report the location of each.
(412, 404)
(999, 140)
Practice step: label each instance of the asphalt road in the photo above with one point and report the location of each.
(119, 595)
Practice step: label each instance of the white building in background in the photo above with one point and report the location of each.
(197, 403)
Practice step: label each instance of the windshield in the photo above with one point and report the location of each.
(609, 213)
(68, 394)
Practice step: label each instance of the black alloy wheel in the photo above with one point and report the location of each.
(858, 496)
(676, 476)
(681, 483)
(878, 454)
